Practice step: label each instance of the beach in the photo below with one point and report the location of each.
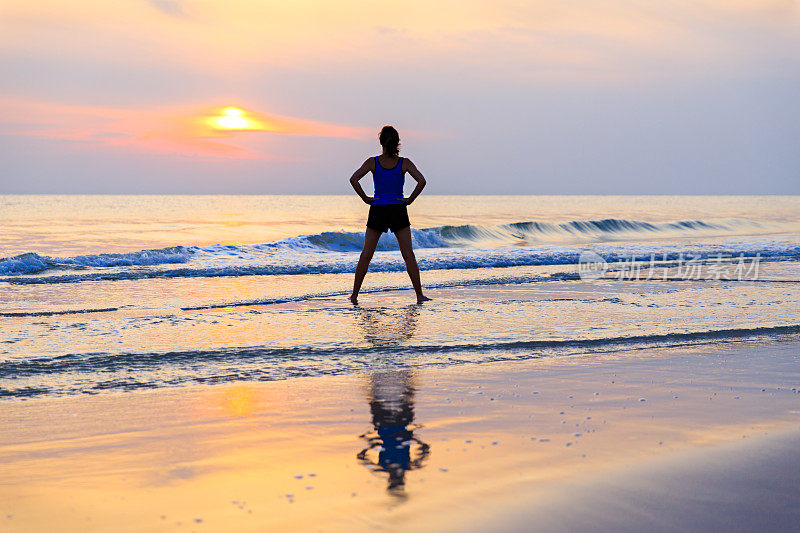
(586, 363)
(691, 438)
(585, 315)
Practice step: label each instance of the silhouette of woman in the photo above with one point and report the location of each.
(388, 208)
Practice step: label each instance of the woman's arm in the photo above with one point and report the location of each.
(417, 175)
(357, 175)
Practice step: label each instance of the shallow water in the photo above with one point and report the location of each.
(103, 293)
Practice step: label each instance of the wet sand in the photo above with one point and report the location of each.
(661, 439)
(746, 485)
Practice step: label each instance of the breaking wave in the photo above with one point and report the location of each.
(441, 247)
(522, 233)
(31, 263)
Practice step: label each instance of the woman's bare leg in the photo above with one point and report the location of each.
(371, 237)
(404, 242)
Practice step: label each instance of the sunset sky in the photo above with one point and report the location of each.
(536, 97)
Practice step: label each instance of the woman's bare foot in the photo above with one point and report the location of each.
(422, 298)
(354, 299)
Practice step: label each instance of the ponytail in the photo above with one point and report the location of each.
(390, 140)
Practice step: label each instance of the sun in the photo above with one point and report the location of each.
(233, 118)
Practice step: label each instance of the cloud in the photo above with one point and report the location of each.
(164, 130)
(583, 96)
(168, 7)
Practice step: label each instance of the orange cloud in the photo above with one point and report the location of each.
(231, 119)
(175, 130)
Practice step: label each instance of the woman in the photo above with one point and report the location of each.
(388, 208)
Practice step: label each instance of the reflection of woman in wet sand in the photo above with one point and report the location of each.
(392, 446)
(388, 208)
(384, 327)
(392, 407)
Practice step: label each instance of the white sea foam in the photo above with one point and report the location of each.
(459, 247)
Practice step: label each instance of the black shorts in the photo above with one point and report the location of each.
(385, 217)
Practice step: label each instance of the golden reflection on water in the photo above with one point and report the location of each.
(391, 446)
(386, 326)
(241, 400)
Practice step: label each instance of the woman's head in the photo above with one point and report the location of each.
(390, 140)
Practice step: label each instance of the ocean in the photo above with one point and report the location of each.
(103, 294)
